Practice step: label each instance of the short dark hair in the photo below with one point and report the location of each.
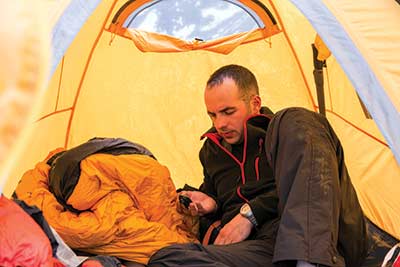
(243, 77)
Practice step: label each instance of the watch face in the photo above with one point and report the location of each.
(245, 209)
(246, 212)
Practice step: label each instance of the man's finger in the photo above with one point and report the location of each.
(193, 209)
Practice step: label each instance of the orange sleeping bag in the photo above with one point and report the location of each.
(128, 205)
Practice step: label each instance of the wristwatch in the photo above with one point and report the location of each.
(246, 212)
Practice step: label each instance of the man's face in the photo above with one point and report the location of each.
(228, 110)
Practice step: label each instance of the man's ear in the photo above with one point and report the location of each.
(255, 104)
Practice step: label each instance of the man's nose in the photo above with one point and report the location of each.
(220, 122)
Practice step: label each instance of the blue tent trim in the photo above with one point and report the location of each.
(357, 69)
(68, 26)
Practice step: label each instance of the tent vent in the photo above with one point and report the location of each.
(190, 19)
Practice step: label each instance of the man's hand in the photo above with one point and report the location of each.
(237, 230)
(201, 203)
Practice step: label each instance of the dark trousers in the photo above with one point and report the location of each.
(250, 253)
(321, 220)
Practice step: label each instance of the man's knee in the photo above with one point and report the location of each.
(298, 124)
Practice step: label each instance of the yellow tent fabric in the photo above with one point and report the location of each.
(105, 86)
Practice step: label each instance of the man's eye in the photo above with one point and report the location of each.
(229, 112)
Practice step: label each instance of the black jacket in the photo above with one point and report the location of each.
(318, 217)
(236, 174)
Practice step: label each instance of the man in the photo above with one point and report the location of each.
(278, 184)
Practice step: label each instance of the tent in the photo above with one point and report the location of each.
(109, 80)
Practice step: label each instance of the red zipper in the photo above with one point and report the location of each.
(240, 194)
(256, 167)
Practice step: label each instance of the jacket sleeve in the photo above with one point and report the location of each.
(208, 186)
(264, 206)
